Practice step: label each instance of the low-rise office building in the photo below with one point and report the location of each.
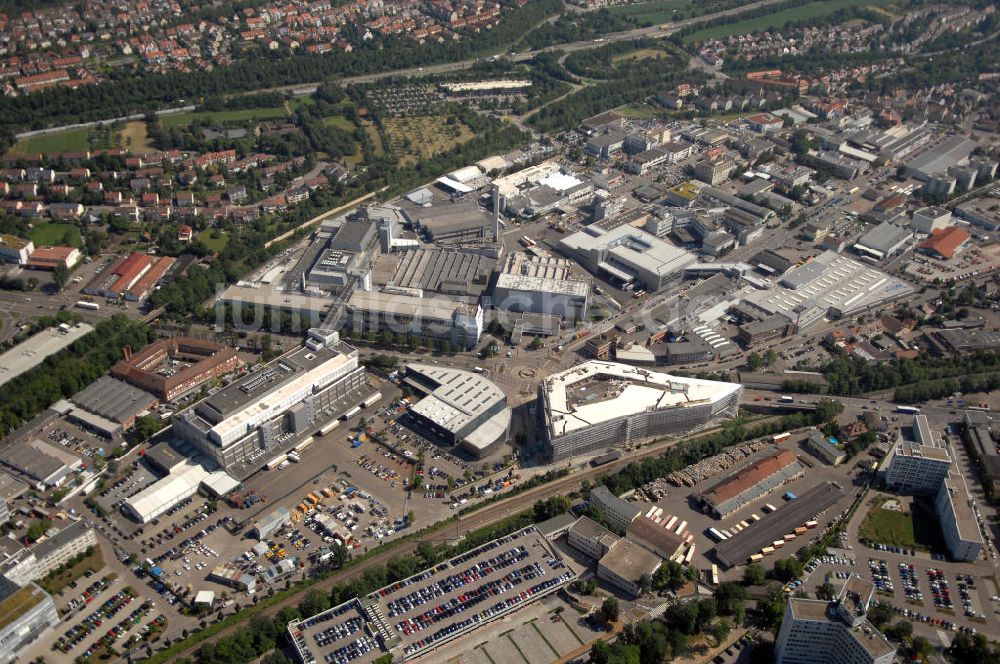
(590, 537)
(819, 444)
(62, 547)
(624, 565)
(619, 513)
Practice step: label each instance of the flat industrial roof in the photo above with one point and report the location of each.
(737, 549)
(113, 399)
(31, 352)
(443, 270)
(830, 280)
(641, 389)
(407, 307)
(269, 388)
(939, 158)
(630, 246)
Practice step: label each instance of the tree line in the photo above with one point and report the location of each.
(67, 372)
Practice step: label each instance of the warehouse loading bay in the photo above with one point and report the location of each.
(849, 480)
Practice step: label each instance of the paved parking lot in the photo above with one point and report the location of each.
(437, 605)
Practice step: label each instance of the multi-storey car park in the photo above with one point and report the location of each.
(597, 405)
(417, 615)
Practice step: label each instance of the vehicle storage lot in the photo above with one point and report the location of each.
(429, 609)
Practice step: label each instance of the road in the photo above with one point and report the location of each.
(654, 32)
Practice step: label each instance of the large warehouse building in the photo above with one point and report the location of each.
(463, 407)
(597, 405)
(830, 285)
(628, 255)
(541, 285)
(276, 407)
(751, 481)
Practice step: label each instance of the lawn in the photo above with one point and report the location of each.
(419, 137)
(71, 140)
(652, 12)
(215, 244)
(241, 115)
(917, 529)
(93, 562)
(340, 122)
(636, 112)
(53, 233)
(780, 19)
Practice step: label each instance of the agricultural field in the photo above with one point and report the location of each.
(418, 137)
(340, 122)
(652, 13)
(53, 233)
(240, 115)
(779, 20)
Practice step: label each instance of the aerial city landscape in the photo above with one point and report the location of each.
(517, 332)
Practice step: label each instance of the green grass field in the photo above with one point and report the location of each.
(340, 122)
(215, 244)
(71, 140)
(917, 529)
(51, 233)
(94, 562)
(652, 12)
(780, 19)
(242, 115)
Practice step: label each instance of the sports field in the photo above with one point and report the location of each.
(71, 140)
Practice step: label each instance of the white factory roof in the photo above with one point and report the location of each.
(631, 246)
(167, 491)
(561, 182)
(30, 353)
(831, 280)
(640, 390)
(273, 403)
(459, 398)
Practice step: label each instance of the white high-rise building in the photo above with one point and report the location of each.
(919, 464)
(835, 632)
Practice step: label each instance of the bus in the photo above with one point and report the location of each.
(88, 305)
(715, 574)
(715, 535)
(786, 399)
(527, 242)
(907, 410)
(351, 413)
(372, 399)
(329, 427)
(781, 437)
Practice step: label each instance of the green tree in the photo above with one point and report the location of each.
(645, 583)
(729, 597)
(755, 362)
(753, 575)
(828, 410)
(787, 569)
(826, 591)
(610, 610)
(60, 276)
(720, 631)
(880, 615)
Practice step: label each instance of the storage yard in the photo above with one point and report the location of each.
(422, 613)
(786, 519)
